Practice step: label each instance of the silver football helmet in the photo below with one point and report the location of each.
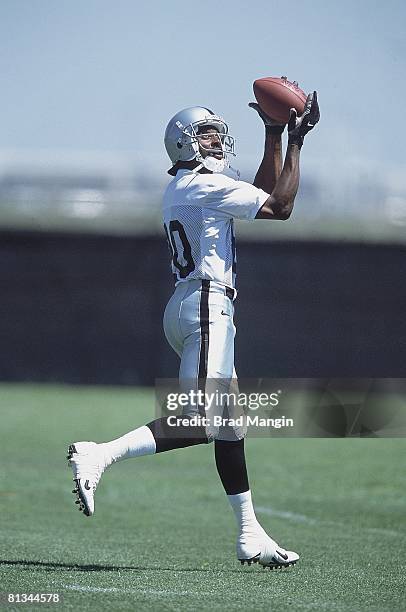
(182, 140)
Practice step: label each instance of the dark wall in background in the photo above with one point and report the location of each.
(88, 309)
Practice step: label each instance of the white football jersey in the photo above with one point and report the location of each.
(198, 213)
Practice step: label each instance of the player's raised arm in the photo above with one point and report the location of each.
(280, 203)
(271, 164)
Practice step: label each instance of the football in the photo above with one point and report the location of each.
(276, 96)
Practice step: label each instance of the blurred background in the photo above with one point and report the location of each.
(86, 92)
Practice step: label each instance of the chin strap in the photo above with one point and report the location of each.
(227, 170)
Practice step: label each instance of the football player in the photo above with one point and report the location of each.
(199, 206)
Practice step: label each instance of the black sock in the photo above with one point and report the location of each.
(230, 462)
(168, 437)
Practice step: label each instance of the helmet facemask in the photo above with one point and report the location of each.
(193, 136)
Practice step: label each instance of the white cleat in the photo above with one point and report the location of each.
(88, 464)
(260, 548)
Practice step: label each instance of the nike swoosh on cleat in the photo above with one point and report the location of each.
(224, 313)
(282, 555)
(87, 487)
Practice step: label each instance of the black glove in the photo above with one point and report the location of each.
(271, 126)
(299, 126)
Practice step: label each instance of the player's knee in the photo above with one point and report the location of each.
(227, 434)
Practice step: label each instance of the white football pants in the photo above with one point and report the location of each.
(199, 326)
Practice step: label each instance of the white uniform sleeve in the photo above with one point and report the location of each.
(236, 199)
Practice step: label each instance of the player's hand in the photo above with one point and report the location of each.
(271, 125)
(298, 127)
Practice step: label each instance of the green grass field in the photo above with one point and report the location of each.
(163, 536)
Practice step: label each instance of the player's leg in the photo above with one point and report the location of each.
(253, 544)
(89, 460)
(181, 326)
(189, 314)
(181, 329)
(215, 343)
(218, 339)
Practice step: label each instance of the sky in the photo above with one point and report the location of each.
(105, 77)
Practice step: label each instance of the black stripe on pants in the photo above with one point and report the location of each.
(185, 435)
(204, 339)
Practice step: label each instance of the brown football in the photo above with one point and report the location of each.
(276, 96)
